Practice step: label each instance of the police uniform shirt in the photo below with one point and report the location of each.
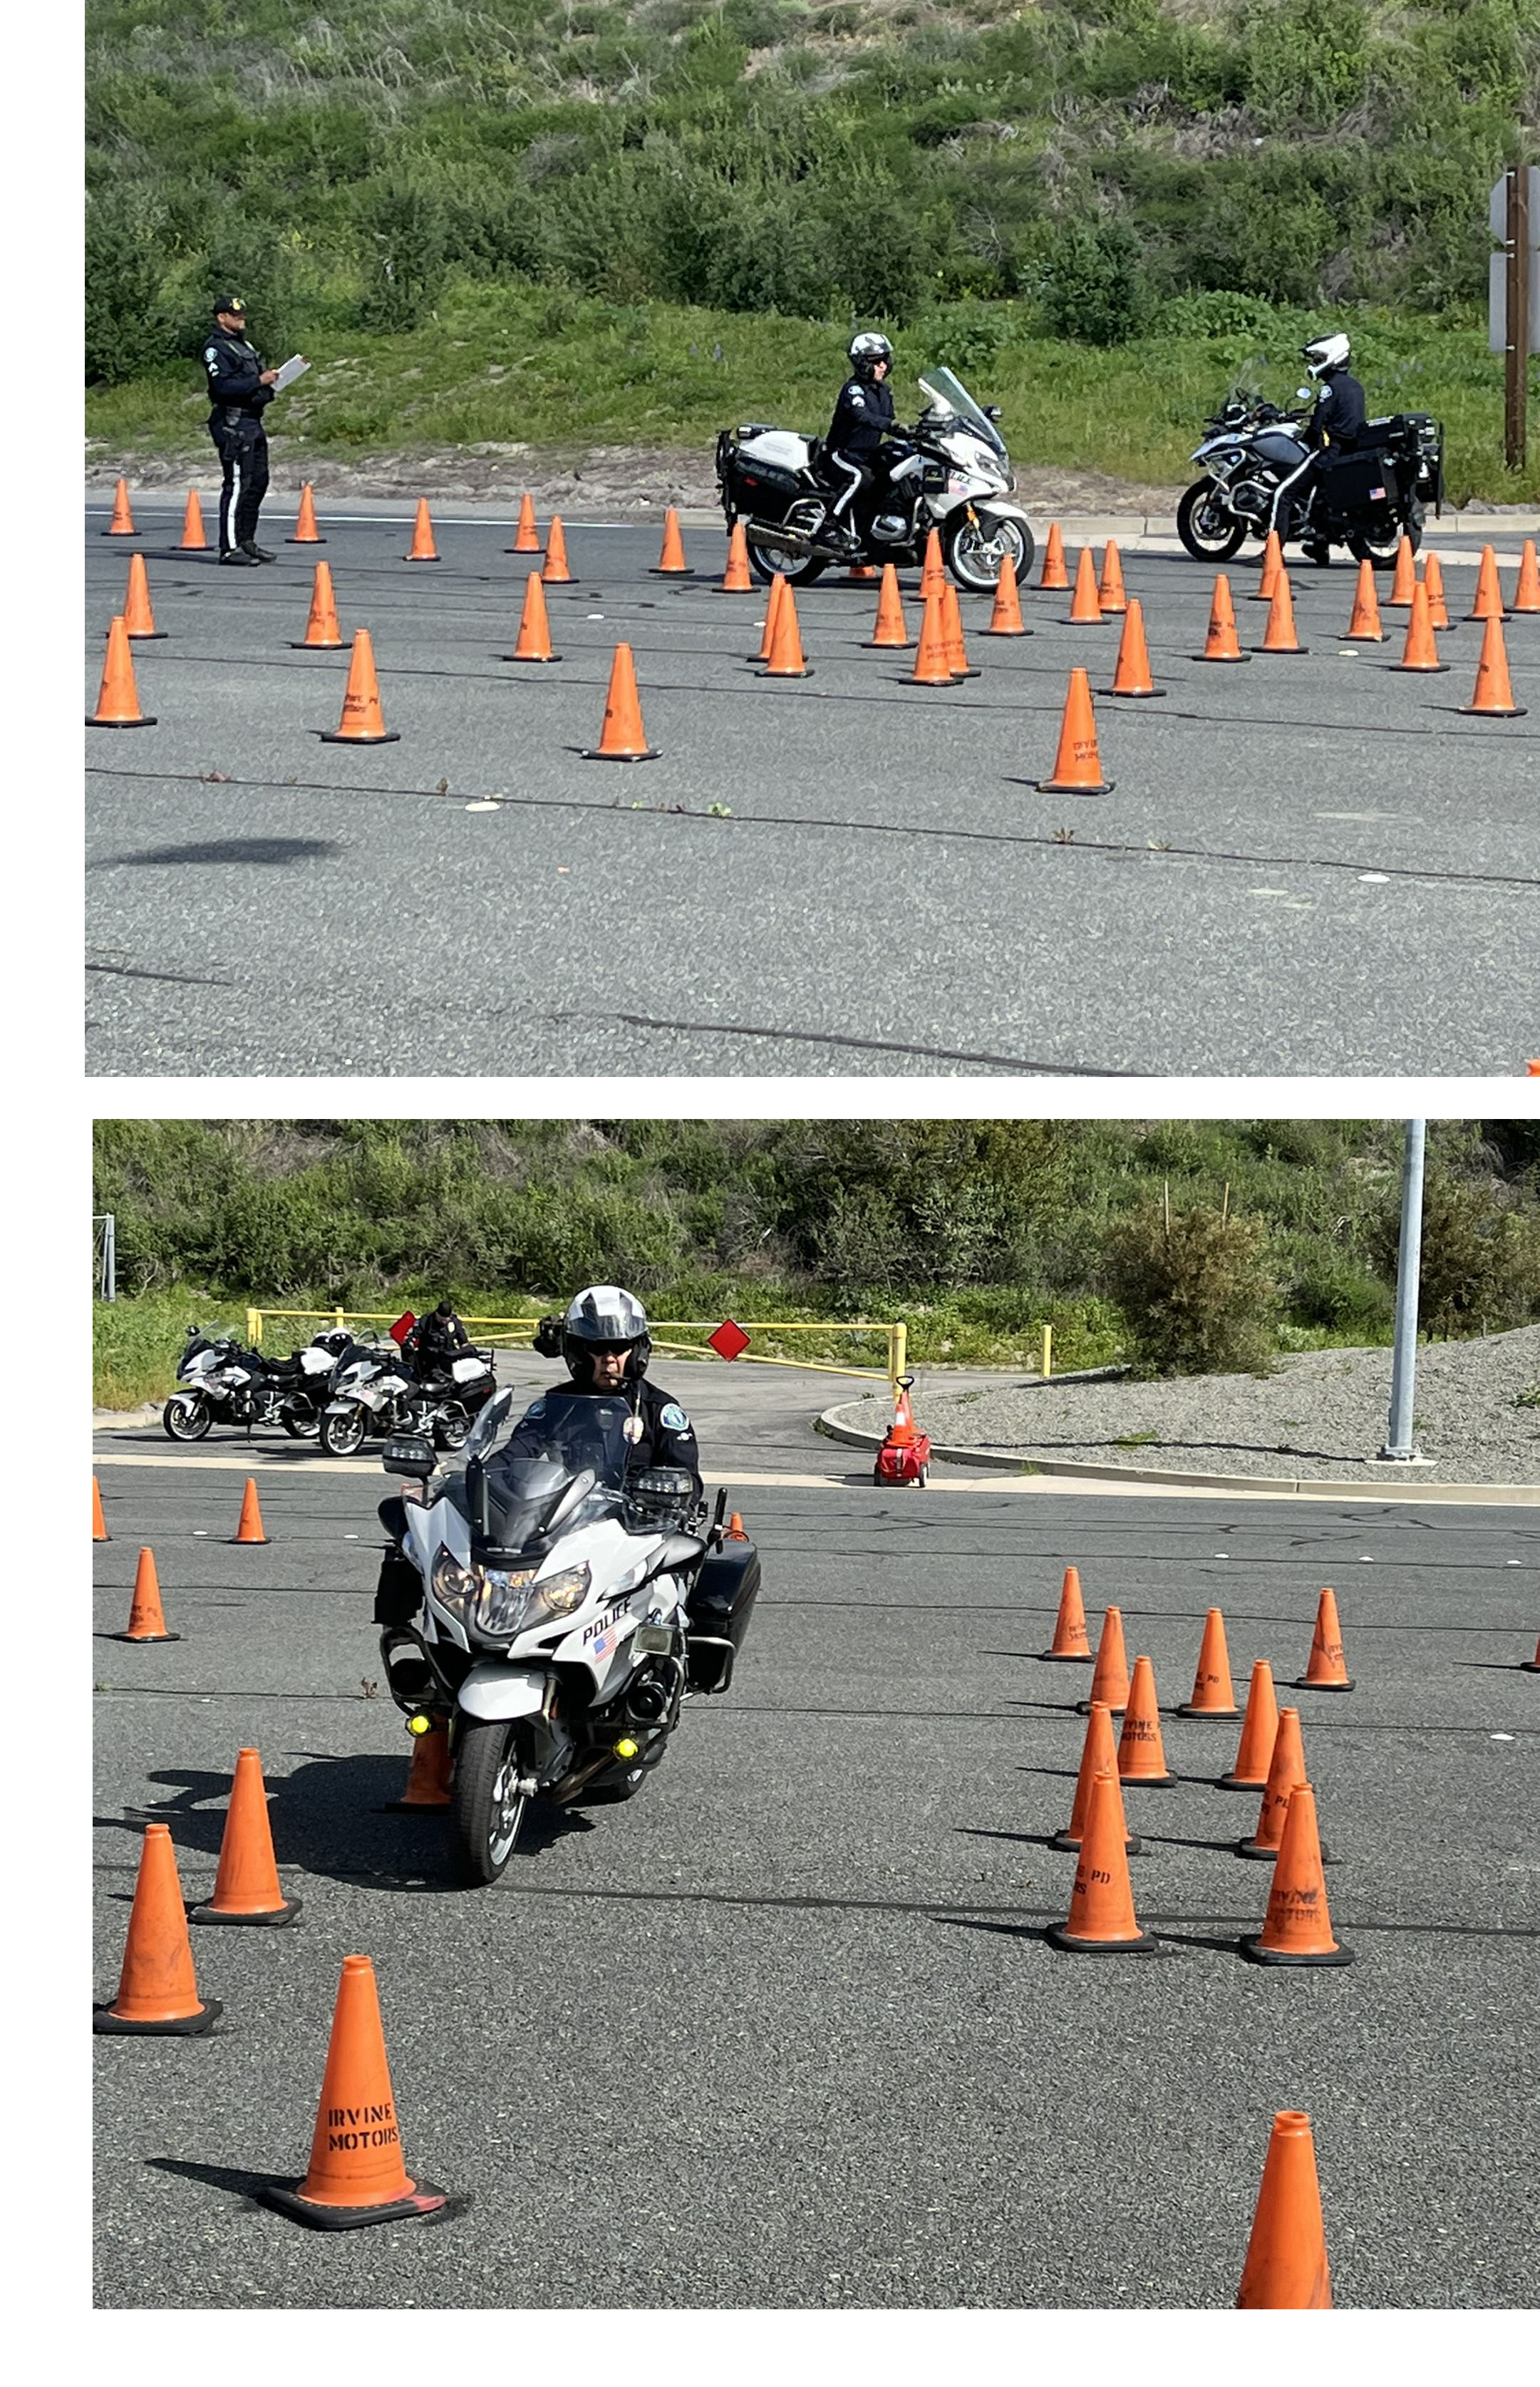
(1340, 414)
(863, 413)
(235, 372)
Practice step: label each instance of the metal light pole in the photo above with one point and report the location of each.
(1409, 1261)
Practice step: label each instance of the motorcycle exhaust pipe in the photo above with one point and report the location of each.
(777, 535)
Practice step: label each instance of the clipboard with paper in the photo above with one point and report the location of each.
(290, 372)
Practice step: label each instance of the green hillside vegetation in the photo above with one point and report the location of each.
(635, 223)
(1176, 1245)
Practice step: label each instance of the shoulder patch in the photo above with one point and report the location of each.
(536, 1409)
(673, 1417)
(210, 356)
(857, 399)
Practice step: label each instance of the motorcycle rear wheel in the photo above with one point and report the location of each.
(1208, 545)
(302, 1429)
(973, 551)
(185, 1416)
(795, 568)
(341, 1436)
(450, 1428)
(486, 1812)
(1382, 552)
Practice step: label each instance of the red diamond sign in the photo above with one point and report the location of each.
(728, 1340)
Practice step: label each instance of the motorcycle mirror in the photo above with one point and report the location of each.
(487, 1428)
(408, 1454)
(994, 413)
(577, 1491)
(1302, 393)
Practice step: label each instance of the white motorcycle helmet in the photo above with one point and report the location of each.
(1326, 355)
(605, 1314)
(868, 350)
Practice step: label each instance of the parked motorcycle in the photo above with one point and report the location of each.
(1363, 500)
(220, 1383)
(555, 1610)
(373, 1391)
(951, 472)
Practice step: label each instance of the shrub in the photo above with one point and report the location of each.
(1094, 285)
(1481, 1260)
(1197, 1290)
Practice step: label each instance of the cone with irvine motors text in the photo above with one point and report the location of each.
(1327, 1669)
(1405, 579)
(356, 2172)
(623, 739)
(1222, 645)
(785, 658)
(737, 580)
(1272, 564)
(526, 538)
(1488, 602)
(322, 630)
(122, 524)
(194, 537)
(423, 549)
(1141, 1754)
(1259, 1733)
(1132, 676)
(1077, 770)
(1098, 1756)
(1421, 651)
(956, 653)
(306, 531)
(1364, 622)
(933, 576)
(532, 644)
(1005, 622)
(1433, 580)
(1284, 1774)
(250, 1527)
(1085, 605)
(1110, 1681)
(158, 1994)
(98, 1522)
(932, 662)
(146, 1620)
(555, 571)
(429, 1776)
(1213, 1692)
(1110, 593)
(1526, 596)
(117, 700)
(772, 611)
(1286, 2268)
(1053, 574)
(1102, 1920)
(1493, 693)
(672, 558)
(362, 723)
(1281, 638)
(891, 628)
(1298, 1927)
(1071, 1642)
(138, 616)
(247, 1889)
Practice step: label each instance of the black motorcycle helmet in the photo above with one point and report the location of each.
(866, 351)
(605, 1316)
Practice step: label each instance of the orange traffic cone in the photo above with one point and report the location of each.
(1077, 770)
(1005, 622)
(322, 629)
(1284, 1773)
(862, 572)
(1327, 1669)
(1279, 637)
(1071, 1642)
(1223, 646)
(1421, 651)
(1141, 1753)
(1085, 606)
(122, 524)
(146, 1621)
(1133, 675)
(1053, 574)
(672, 557)
(1364, 620)
(533, 645)
(737, 580)
(118, 701)
(1488, 605)
(933, 576)
(1259, 1733)
(1109, 591)
(1286, 2268)
(1526, 596)
(1298, 1927)
(362, 723)
(98, 1522)
(306, 531)
(1433, 580)
(428, 1776)
(554, 572)
(1493, 693)
(356, 2171)
(1110, 1681)
(250, 1527)
(194, 537)
(952, 620)
(1102, 1920)
(158, 1995)
(735, 1532)
(772, 611)
(423, 549)
(622, 739)
(247, 1889)
(526, 538)
(1272, 564)
(1213, 1692)
(1531, 1665)
(890, 629)
(1405, 579)
(785, 658)
(932, 662)
(1098, 1756)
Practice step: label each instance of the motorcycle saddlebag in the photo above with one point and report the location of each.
(717, 1617)
(1357, 482)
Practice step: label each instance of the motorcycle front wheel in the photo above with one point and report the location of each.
(1208, 536)
(450, 1427)
(341, 1436)
(487, 1806)
(973, 552)
(185, 1416)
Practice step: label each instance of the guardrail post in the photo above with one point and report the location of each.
(1047, 1350)
(898, 1353)
(253, 1329)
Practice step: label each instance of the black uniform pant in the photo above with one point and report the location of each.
(851, 475)
(243, 450)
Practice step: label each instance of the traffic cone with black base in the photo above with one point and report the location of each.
(1286, 2268)
(1257, 1735)
(158, 1994)
(250, 1527)
(1364, 622)
(122, 524)
(1420, 652)
(1494, 692)
(98, 1522)
(1280, 637)
(146, 1620)
(1213, 1692)
(1222, 645)
(1272, 564)
(956, 652)
(430, 1774)
(1298, 1927)
(362, 723)
(1140, 1752)
(555, 571)
(1110, 593)
(1005, 621)
(933, 573)
(306, 533)
(1526, 596)
(737, 580)
(138, 615)
(1085, 606)
(933, 661)
(1327, 1669)
(1102, 1920)
(526, 538)
(1433, 580)
(1054, 574)
(785, 659)
(622, 739)
(532, 644)
(671, 559)
(1099, 1755)
(195, 539)
(1405, 579)
(1078, 768)
(117, 703)
(1526, 1666)
(358, 2173)
(1072, 1643)
(247, 1889)
(1132, 676)
(772, 614)
(1487, 605)
(891, 628)
(1110, 1681)
(323, 631)
(423, 549)
(1285, 1772)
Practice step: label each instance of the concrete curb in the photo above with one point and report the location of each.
(1266, 1487)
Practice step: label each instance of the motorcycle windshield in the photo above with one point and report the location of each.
(560, 1439)
(943, 387)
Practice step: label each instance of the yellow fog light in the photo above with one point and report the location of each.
(418, 1724)
(627, 1749)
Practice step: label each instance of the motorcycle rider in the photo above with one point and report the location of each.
(435, 1342)
(1337, 424)
(863, 413)
(604, 1339)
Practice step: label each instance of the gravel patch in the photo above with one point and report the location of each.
(1324, 1414)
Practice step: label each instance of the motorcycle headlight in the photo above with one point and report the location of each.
(559, 1595)
(453, 1587)
(501, 1596)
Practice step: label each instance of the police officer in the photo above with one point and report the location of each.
(863, 413)
(238, 391)
(1335, 426)
(604, 1341)
(436, 1340)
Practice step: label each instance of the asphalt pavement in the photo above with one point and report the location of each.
(1308, 865)
(784, 2032)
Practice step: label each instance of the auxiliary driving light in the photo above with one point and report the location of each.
(418, 1724)
(628, 1749)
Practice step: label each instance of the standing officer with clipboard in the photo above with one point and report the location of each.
(239, 388)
